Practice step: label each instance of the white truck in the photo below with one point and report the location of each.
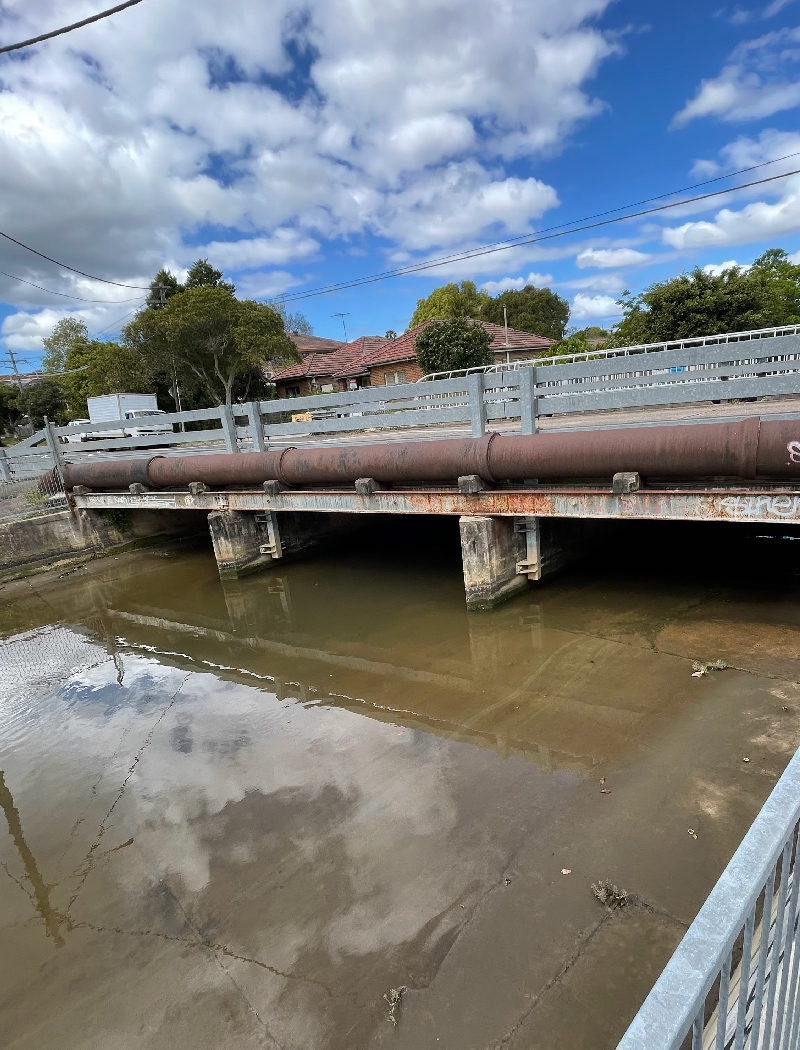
(138, 412)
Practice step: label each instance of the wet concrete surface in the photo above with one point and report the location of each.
(239, 815)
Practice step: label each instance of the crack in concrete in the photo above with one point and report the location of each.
(90, 858)
(554, 980)
(201, 942)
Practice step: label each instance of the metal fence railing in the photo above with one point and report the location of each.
(717, 368)
(733, 982)
(622, 351)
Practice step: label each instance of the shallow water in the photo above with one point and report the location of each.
(240, 815)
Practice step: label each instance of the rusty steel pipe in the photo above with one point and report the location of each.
(748, 449)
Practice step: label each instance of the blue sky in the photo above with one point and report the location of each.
(300, 145)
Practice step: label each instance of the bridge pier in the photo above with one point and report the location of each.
(501, 555)
(246, 542)
(491, 550)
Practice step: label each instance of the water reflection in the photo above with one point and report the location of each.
(279, 798)
(39, 892)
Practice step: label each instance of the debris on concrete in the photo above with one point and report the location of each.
(566, 871)
(692, 832)
(609, 894)
(393, 998)
(605, 791)
(745, 758)
(699, 670)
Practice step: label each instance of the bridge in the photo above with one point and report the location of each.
(526, 456)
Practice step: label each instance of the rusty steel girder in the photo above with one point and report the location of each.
(753, 448)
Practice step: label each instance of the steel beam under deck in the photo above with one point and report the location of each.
(773, 506)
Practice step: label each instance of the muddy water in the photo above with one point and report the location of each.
(240, 816)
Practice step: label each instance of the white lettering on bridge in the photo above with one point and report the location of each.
(761, 506)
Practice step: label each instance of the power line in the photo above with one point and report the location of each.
(119, 321)
(69, 29)
(91, 277)
(66, 295)
(504, 246)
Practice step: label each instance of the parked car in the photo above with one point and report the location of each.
(76, 436)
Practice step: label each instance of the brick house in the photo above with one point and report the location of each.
(314, 344)
(324, 372)
(396, 362)
(375, 361)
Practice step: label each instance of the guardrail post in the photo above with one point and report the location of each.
(256, 428)
(54, 447)
(528, 402)
(228, 428)
(477, 408)
(5, 472)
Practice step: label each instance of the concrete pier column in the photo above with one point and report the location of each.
(244, 542)
(491, 549)
(247, 541)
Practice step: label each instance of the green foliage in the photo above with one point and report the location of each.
(391, 334)
(95, 368)
(536, 310)
(67, 332)
(580, 341)
(455, 343)
(9, 407)
(451, 300)
(203, 275)
(575, 343)
(700, 303)
(211, 339)
(44, 398)
(164, 282)
(297, 323)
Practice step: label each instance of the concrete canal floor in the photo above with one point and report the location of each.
(240, 816)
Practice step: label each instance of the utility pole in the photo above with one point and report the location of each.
(342, 316)
(14, 366)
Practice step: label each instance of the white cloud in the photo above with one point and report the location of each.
(538, 280)
(123, 147)
(284, 246)
(759, 220)
(606, 258)
(595, 306)
(761, 77)
(600, 282)
(715, 269)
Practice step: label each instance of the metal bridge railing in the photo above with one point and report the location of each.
(733, 982)
(618, 351)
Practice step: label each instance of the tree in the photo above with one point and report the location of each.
(211, 338)
(450, 300)
(297, 323)
(44, 398)
(163, 285)
(536, 310)
(453, 344)
(9, 407)
(203, 275)
(701, 303)
(391, 334)
(94, 368)
(67, 332)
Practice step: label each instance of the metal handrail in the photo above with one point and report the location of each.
(617, 351)
(757, 1006)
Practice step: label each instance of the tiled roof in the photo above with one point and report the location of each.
(314, 344)
(402, 348)
(347, 360)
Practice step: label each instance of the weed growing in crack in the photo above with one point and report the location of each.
(393, 997)
(610, 895)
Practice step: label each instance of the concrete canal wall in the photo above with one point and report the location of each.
(31, 542)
